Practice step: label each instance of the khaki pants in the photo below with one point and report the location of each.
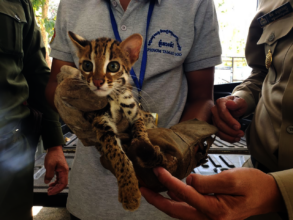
(16, 178)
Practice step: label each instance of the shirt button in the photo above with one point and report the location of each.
(271, 37)
(123, 28)
(290, 129)
(114, 3)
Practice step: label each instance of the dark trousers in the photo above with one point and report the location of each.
(16, 178)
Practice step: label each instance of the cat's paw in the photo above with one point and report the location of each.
(170, 163)
(148, 155)
(129, 194)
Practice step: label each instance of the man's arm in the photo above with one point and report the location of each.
(245, 96)
(55, 161)
(37, 74)
(52, 84)
(200, 95)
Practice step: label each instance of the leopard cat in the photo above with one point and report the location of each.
(105, 65)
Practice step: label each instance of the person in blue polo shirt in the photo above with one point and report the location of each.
(247, 193)
(183, 46)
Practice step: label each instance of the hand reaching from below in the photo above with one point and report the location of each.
(231, 195)
(55, 162)
(225, 114)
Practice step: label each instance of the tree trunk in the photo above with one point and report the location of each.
(45, 8)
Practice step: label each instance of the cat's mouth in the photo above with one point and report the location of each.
(98, 89)
(102, 92)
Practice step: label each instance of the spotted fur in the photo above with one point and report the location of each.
(105, 65)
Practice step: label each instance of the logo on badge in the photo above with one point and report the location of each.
(263, 21)
(165, 41)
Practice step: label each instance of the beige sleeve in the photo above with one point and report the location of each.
(255, 55)
(284, 180)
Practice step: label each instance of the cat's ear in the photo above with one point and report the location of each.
(78, 41)
(132, 46)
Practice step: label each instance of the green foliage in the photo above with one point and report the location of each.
(49, 22)
(49, 26)
(233, 26)
(37, 4)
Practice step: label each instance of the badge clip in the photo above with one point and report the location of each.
(269, 59)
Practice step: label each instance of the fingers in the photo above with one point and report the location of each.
(178, 210)
(55, 162)
(237, 107)
(229, 138)
(226, 182)
(60, 183)
(168, 180)
(174, 196)
(53, 183)
(195, 194)
(229, 127)
(50, 172)
(224, 113)
(225, 132)
(229, 187)
(182, 191)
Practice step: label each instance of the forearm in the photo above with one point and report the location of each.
(50, 93)
(200, 95)
(200, 109)
(52, 84)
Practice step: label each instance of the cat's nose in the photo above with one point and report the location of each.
(98, 82)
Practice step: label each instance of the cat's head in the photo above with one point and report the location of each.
(105, 63)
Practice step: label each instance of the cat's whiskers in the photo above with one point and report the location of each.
(134, 91)
(115, 93)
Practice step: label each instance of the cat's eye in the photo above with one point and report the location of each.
(113, 67)
(87, 66)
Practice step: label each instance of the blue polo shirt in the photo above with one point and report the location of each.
(182, 37)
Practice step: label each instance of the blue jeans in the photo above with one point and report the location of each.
(16, 178)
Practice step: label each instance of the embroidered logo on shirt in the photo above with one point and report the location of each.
(166, 42)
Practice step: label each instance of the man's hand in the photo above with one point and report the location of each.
(55, 163)
(233, 194)
(225, 114)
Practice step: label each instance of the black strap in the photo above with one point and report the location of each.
(259, 166)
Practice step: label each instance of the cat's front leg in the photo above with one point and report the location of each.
(110, 147)
(148, 155)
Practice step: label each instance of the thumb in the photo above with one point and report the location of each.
(218, 183)
(237, 107)
(50, 172)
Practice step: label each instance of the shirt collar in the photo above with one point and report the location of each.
(159, 1)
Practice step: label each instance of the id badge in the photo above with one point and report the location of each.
(156, 117)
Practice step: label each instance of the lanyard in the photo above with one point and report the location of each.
(137, 82)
